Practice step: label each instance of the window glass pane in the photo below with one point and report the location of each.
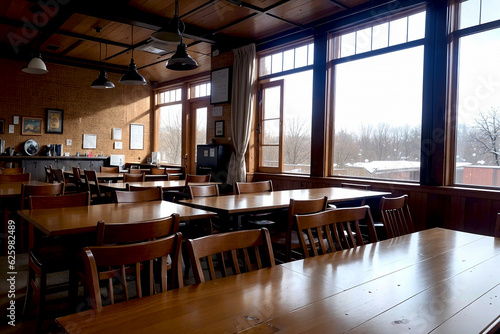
(301, 56)
(178, 94)
(363, 40)
(288, 60)
(209, 89)
(397, 31)
(170, 134)
(196, 91)
(201, 126)
(272, 102)
(478, 119)
(270, 156)
(265, 66)
(277, 63)
(310, 57)
(347, 45)
(271, 131)
(469, 13)
(378, 111)
(490, 11)
(380, 36)
(416, 26)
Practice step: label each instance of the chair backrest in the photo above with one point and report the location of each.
(105, 262)
(237, 246)
(146, 195)
(332, 230)
(110, 169)
(210, 190)
(192, 178)
(126, 233)
(48, 189)
(63, 201)
(139, 171)
(57, 174)
(300, 207)
(396, 216)
(13, 170)
(4, 178)
(158, 171)
(48, 174)
(253, 187)
(78, 179)
(92, 182)
(128, 177)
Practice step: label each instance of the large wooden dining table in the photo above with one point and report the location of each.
(437, 280)
(268, 201)
(13, 189)
(66, 221)
(166, 185)
(114, 177)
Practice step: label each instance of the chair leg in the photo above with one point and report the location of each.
(29, 292)
(41, 301)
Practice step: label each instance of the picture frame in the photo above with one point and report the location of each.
(89, 141)
(219, 128)
(54, 121)
(136, 136)
(116, 134)
(220, 82)
(31, 126)
(2, 125)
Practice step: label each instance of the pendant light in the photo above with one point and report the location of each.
(132, 77)
(181, 61)
(35, 66)
(102, 81)
(170, 32)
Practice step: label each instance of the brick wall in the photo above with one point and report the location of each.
(86, 110)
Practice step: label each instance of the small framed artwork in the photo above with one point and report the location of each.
(31, 126)
(219, 128)
(117, 145)
(89, 141)
(117, 134)
(54, 121)
(2, 125)
(136, 136)
(15, 120)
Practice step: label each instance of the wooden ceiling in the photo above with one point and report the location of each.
(66, 31)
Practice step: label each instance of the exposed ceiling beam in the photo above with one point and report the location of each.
(91, 38)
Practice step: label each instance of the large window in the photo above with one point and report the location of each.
(477, 153)
(377, 99)
(170, 126)
(286, 111)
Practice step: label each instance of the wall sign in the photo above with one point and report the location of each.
(220, 81)
(136, 136)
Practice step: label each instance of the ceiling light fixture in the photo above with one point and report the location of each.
(170, 32)
(132, 77)
(181, 60)
(35, 66)
(102, 81)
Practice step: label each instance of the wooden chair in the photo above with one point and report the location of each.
(261, 219)
(57, 174)
(237, 246)
(98, 261)
(13, 170)
(175, 196)
(48, 174)
(288, 240)
(210, 190)
(159, 171)
(332, 230)
(396, 216)
(80, 184)
(129, 177)
(93, 187)
(4, 178)
(150, 194)
(110, 169)
(50, 256)
(139, 171)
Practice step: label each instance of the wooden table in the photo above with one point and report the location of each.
(54, 222)
(437, 279)
(13, 189)
(115, 176)
(166, 185)
(237, 204)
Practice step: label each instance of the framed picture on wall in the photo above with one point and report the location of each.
(136, 136)
(31, 126)
(54, 121)
(220, 82)
(219, 128)
(2, 125)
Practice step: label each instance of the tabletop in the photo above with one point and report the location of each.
(166, 185)
(117, 176)
(435, 280)
(235, 204)
(12, 189)
(76, 220)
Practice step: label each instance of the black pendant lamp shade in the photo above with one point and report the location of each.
(168, 33)
(132, 77)
(102, 81)
(181, 61)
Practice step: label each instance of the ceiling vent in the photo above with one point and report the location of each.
(157, 48)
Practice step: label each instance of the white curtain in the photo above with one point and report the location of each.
(241, 110)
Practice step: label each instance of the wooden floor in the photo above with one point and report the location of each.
(57, 304)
